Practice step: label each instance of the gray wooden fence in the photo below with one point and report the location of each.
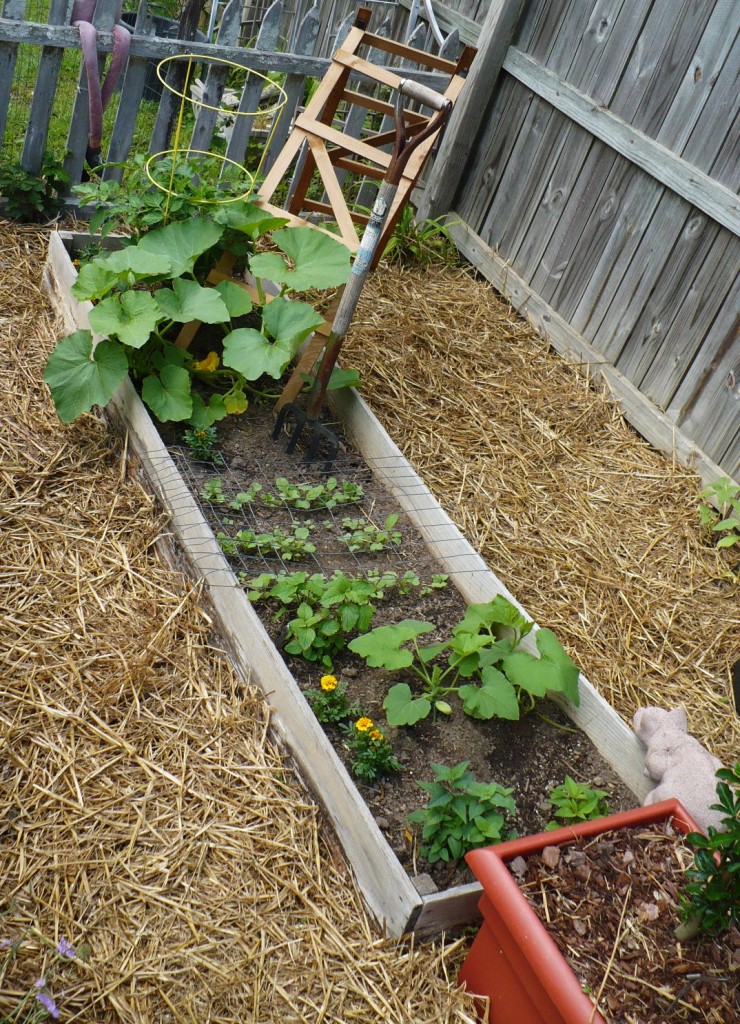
(591, 166)
(595, 178)
(298, 25)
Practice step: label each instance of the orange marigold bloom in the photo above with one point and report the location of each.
(377, 735)
(328, 683)
(363, 724)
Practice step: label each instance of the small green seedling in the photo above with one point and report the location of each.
(727, 520)
(245, 497)
(461, 814)
(711, 900)
(213, 492)
(313, 496)
(288, 546)
(574, 802)
(363, 535)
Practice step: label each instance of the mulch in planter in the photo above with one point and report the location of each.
(610, 904)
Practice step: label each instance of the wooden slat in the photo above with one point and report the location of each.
(216, 77)
(646, 418)
(707, 404)
(409, 53)
(339, 139)
(334, 192)
(698, 188)
(710, 286)
(267, 39)
(132, 90)
(597, 67)
(42, 104)
(458, 140)
(294, 86)
(13, 10)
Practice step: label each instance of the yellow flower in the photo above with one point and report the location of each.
(363, 724)
(377, 735)
(328, 683)
(209, 364)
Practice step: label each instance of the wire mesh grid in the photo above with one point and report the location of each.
(262, 531)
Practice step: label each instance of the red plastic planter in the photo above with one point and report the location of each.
(513, 960)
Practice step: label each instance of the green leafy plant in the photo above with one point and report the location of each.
(461, 814)
(330, 703)
(202, 444)
(33, 197)
(419, 243)
(145, 291)
(727, 520)
(482, 647)
(370, 750)
(330, 609)
(212, 491)
(574, 802)
(711, 899)
(363, 535)
(154, 193)
(289, 546)
(313, 496)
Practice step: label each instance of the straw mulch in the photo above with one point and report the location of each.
(144, 810)
(595, 532)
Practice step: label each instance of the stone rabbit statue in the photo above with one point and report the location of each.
(679, 764)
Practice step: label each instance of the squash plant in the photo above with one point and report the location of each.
(145, 291)
(483, 667)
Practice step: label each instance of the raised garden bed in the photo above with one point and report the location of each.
(386, 886)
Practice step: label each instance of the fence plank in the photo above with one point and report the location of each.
(698, 188)
(215, 81)
(132, 90)
(707, 405)
(530, 217)
(47, 79)
(294, 86)
(267, 39)
(677, 320)
(457, 142)
(13, 10)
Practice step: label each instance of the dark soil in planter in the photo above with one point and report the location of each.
(610, 904)
(532, 755)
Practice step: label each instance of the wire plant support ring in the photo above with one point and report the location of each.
(273, 112)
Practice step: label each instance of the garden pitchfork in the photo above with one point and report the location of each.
(402, 150)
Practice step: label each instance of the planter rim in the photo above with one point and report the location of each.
(500, 889)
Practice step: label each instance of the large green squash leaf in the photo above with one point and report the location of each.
(290, 321)
(251, 354)
(131, 317)
(318, 260)
(81, 376)
(168, 395)
(187, 301)
(182, 242)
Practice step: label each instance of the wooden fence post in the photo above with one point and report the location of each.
(459, 139)
(47, 79)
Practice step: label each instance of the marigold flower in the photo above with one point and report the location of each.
(209, 364)
(363, 724)
(328, 683)
(377, 735)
